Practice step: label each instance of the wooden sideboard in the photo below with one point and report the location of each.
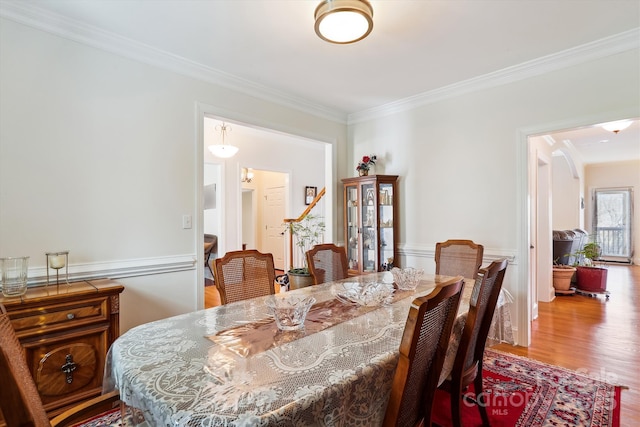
(66, 331)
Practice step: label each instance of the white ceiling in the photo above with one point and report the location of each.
(416, 47)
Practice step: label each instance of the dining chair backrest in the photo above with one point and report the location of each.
(241, 275)
(458, 257)
(327, 262)
(422, 352)
(19, 398)
(467, 366)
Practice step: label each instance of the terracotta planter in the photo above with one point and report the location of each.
(562, 278)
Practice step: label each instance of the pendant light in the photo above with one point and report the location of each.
(223, 150)
(616, 126)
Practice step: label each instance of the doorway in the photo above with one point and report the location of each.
(263, 212)
(570, 144)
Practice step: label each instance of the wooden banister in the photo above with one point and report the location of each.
(289, 221)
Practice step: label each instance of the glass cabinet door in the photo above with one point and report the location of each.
(352, 244)
(387, 238)
(369, 218)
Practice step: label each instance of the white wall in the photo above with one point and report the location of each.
(567, 192)
(462, 160)
(614, 175)
(98, 156)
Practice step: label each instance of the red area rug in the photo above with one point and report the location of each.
(522, 392)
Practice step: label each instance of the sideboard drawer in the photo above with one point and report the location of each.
(60, 316)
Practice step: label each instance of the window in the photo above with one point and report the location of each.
(612, 223)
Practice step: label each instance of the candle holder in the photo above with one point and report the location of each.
(57, 261)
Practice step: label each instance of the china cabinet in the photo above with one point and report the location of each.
(65, 331)
(371, 222)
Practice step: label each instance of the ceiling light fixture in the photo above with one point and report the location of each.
(343, 21)
(223, 150)
(616, 126)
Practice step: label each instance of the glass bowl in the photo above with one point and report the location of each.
(406, 278)
(289, 312)
(367, 294)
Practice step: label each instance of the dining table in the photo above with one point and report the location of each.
(231, 366)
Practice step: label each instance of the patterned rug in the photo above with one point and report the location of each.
(523, 392)
(520, 393)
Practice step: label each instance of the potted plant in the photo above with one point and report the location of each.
(306, 234)
(562, 276)
(590, 278)
(365, 164)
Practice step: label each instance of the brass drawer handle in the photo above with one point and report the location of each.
(71, 316)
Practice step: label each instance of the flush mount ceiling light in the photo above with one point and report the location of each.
(223, 150)
(616, 126)
(343, 21)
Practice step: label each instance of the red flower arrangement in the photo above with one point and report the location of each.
(366, 162)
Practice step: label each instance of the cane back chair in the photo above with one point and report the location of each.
(458, 257)
(241, 275)
(327, 262)
(467, 366)
(422, 351)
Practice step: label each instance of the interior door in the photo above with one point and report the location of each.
(273, 214)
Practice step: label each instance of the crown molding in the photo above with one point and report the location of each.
(35, 17)
(612, 45)
(61, 26)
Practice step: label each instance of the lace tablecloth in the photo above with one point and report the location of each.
(342, 375)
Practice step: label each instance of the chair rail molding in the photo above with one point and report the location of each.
(118, 269)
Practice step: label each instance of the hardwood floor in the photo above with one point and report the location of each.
(598, 337)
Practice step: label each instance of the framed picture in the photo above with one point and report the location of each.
(310, 194)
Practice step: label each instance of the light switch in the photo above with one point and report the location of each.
(186, 221)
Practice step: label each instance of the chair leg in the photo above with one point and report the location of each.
(209, 265)
(480, 397)
(456, 398)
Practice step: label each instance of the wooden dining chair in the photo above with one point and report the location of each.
(19, 399)
(327, 262)
(458, 257)
(241, 275)
(422, 351)
(467, 366)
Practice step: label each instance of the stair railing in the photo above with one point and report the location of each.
(290, 221)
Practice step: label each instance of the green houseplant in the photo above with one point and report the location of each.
(589, 278)
(306, 233)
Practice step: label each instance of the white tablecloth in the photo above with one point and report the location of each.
(342, 375)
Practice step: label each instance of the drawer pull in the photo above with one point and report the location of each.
(68, 368)
(71, 316)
